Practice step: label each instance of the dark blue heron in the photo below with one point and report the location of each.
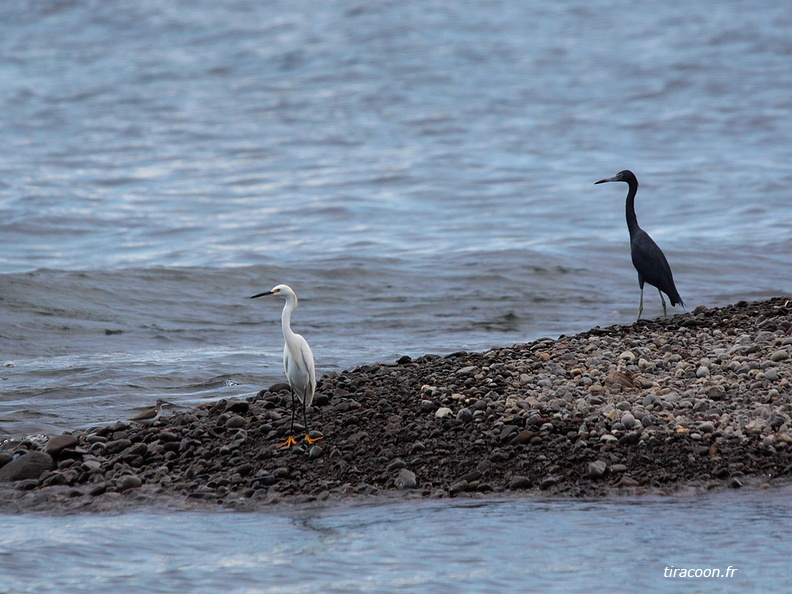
(647, 257)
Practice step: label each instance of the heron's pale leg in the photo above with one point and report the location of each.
(665, 313)
(640, 305)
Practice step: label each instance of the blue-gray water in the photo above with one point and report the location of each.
(531, 545)
(420, 172)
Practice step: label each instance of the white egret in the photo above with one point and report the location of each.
(298, 361)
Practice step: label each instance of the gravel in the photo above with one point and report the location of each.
(695, 402)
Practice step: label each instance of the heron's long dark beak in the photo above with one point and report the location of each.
(602, 181)
(262, 294)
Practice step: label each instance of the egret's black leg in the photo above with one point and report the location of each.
(308, 437)
(290, 441)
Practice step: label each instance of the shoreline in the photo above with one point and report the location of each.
(696, 402)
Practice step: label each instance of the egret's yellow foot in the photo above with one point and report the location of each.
(288, 443)
(312, 440)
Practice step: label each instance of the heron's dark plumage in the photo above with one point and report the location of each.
(648, 259)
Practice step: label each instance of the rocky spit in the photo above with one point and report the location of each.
(698, 401)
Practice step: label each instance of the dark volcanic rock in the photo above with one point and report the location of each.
(28, 466)
(699, 399)
(59, 443)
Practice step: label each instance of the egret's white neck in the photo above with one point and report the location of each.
(288, 308)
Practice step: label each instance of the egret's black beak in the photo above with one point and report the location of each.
(262, 294)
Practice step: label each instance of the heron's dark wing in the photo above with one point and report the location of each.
(650, 262)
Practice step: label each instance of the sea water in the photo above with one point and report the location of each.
(422, 174)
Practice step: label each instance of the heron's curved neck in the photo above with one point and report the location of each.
(632, 220)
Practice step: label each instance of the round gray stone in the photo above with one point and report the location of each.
(128, 481)
(406, 479)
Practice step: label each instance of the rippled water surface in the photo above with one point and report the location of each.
(420, 172)
(486, 546)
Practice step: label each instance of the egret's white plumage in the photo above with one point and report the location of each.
(298, 361)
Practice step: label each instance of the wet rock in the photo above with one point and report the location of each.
(524, 436)
(5, 458)
(238, 406)
(59, 443)
(596, 470)
(27, 484)
(262, 480)
(464, 415)
(236, 422)
(406, 479)
(509, 432)
(428, 406)
(562, 414)
(396, 464)
(117, 446)
(717, 392)
(28, 466)
(630, 438)
(459, 487)
(98, 489)
(520, 482)
(128, 481)
(627, 482)
(628, 420)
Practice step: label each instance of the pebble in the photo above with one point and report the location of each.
(235, 422)
(406, 479)
(694, 399)
(716, 392)
(459, 487)
(524, 436)
(128, 481)
(597, 469)
(396, 464)
(464, 415)
(626, 482)
(520, 482)
(59, 443)
(428, 406)
(116, 446)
